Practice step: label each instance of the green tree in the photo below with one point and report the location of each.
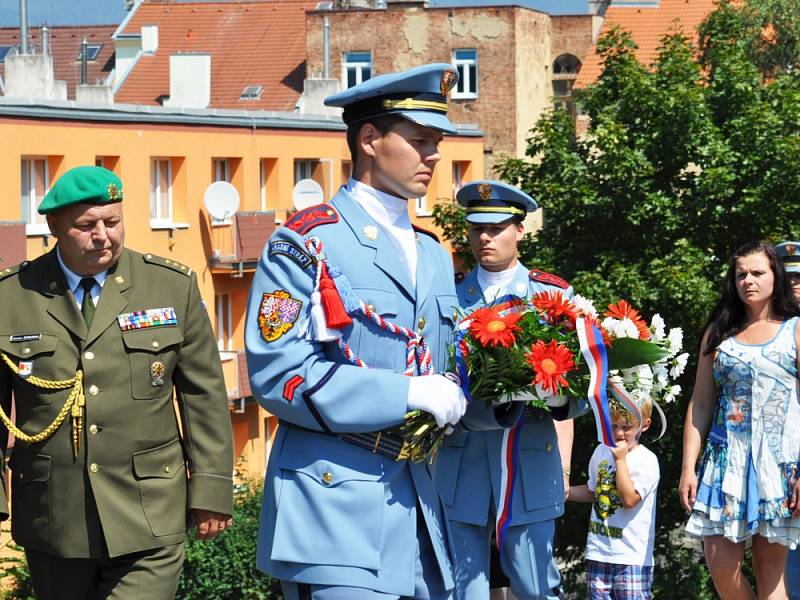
(684, 160)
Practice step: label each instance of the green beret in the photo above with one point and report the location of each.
(91, 185)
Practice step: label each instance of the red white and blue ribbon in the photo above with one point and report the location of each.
(594, 352)
(509, 466)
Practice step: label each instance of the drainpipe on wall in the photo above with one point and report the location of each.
(326, 47)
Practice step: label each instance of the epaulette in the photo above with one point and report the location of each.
(459, 277)
(305, 220)
(549, 278)
(169, 264)
(8, 272)
(419, 229)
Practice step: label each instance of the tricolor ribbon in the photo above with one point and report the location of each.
(509, 465)
(594, 352)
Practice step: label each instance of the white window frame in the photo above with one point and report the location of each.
(157, 220)
(35, 224)
(421, 207)
(262, 177)
(222, 303)
(222, 169)
(357, 66)
(304, 168)
(458, 176)
(465, 88)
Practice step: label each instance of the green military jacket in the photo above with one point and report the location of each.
(138, 470)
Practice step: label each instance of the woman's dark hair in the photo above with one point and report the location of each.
(382, 123)
(729, 314)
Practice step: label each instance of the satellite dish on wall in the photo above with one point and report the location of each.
(307, 192)
(221, 200)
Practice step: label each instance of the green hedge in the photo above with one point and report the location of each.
(225, 567)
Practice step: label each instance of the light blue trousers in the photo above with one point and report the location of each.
(527, 560)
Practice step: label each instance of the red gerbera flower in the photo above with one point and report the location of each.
(550, 362)
(622, 310)
(555, 307)
(488, 327)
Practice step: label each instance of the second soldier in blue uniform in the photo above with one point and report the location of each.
(345, 516)
(468, 469)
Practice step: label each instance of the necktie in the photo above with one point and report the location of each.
(87, 306)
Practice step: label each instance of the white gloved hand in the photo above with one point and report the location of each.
(439, 396)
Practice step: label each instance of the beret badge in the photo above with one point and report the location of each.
(113, 192)
(791, 249)
(484, 191)
(448, 81)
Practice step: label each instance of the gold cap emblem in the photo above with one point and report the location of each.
(448, 81)
(371, 232)
(484, 191)
(113, 192)
(791, 249)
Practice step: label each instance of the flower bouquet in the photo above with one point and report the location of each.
(553, 347)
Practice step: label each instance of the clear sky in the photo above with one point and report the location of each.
(64, 12)
(110, 12)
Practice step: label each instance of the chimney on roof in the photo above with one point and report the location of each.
(84, 62)
(23, 26)
(189, 80)
(45, 40)
(149, 39)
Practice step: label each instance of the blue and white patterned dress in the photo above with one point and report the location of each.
(750, 460)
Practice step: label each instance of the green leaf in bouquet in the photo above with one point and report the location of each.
(625, 353)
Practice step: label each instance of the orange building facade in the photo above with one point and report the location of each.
(166, 160)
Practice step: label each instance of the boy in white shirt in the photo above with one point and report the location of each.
(622, 488)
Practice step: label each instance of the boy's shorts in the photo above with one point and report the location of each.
(608, 581)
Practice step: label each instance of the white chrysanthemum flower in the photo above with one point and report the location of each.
(672, 393)
(615, 378)
(679, 365)
(675, 340)
(611, 325)
(661, 382)
(628, 329)
(657, 327)
(584, 305)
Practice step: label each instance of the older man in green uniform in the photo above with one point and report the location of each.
(96, 340)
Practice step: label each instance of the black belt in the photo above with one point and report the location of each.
(385, 443)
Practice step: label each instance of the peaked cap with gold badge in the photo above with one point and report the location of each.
(494, 202)
(418, 94)
(789, 253)
(90, 185)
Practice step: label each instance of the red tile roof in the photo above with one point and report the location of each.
(250, 43)
(647, 24)
(65, 43)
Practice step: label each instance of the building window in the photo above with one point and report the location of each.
(35, 184)
(421, 207)
(222, 169)
(305, 169)
(92, 51)
(565, 71)
(161, 192)
(466, 62)
(4, 50)
(459, 171)
(222, 305)
(357, 67)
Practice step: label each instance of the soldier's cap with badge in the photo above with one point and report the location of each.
(418, 94)
(494, 202)
(789, 253)
(89, 185)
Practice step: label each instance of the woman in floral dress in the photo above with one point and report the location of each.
(745, 405)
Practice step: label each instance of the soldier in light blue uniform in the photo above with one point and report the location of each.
(789, 252)
(468, 469)
(345, 516)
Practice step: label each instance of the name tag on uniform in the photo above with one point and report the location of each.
(25, 337)
(152, 317)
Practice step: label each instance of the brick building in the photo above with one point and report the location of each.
(512, 60)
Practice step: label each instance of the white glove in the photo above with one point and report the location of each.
(439, 396)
